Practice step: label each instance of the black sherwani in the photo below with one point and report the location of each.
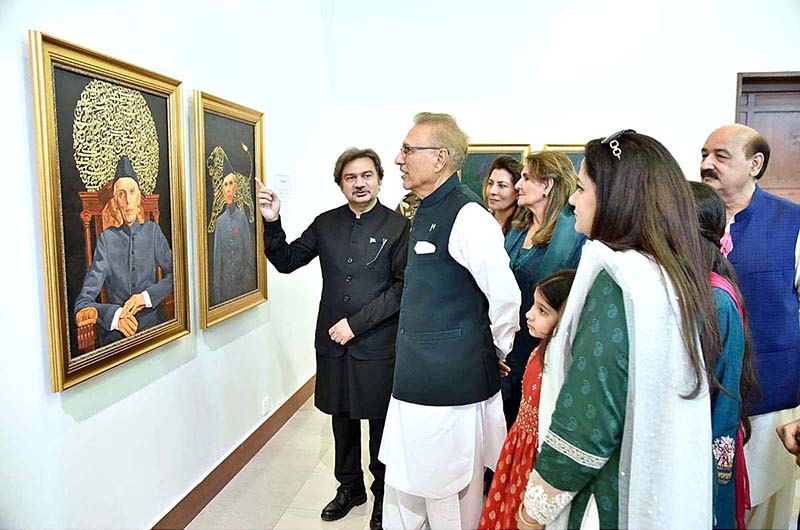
(363, 263)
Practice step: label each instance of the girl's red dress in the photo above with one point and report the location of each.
(517, 457)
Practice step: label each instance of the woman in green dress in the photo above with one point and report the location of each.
(626, 437)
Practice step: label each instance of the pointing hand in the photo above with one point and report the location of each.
(268, 202)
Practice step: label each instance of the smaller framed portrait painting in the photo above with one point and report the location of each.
(228, 159)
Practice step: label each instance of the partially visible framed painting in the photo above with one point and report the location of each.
(228, 158)
(573, 151)
(109, 147)
(480, 158)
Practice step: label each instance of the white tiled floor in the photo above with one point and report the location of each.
(286, 485)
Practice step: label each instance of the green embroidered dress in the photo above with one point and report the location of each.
(613, 421)
(590, 412)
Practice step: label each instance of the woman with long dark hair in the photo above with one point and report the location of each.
(630, 430)
(735, 373)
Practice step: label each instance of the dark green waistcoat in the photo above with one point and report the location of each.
(445, 352)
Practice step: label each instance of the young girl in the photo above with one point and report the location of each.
(519, 451)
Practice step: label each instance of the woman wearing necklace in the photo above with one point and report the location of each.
(542, 241)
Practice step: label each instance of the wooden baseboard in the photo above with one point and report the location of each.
(187, 508)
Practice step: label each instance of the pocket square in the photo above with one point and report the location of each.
(424, 247)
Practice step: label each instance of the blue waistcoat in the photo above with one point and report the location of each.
(445, 351)
(764, 238)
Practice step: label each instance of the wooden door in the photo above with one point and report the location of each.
(770, 103)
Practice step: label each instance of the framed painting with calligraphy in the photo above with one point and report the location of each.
(228, 157)
(108, 137)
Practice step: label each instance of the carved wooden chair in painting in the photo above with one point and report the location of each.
(100, 207)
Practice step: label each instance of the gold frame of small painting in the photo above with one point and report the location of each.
(573, 151)
(229, 142)
(473, 175)
(90, 111)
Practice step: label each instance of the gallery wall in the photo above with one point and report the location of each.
(120, 450)
(554, 72)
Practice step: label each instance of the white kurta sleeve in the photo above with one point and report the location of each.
(476, 243)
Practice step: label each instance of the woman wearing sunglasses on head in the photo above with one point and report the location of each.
(625, 426)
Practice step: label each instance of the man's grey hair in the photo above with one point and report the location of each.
(447, 134)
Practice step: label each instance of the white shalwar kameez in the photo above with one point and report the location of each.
(435, 455)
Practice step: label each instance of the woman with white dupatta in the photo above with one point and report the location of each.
(625, 425)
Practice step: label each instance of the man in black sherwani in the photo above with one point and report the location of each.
(362, 248)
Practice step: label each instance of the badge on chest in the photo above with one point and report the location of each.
(374, 250)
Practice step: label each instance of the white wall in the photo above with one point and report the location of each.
(120, 450)
(554, 72)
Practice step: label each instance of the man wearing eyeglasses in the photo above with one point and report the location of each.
(458, 315)
(362, 248)
(762, 242)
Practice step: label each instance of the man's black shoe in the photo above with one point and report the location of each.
(342, 504)
(376, 521)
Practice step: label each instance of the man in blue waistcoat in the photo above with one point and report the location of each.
(125, 262)
(763, 231)
(458, 315)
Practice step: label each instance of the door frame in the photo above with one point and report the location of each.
(783, 81)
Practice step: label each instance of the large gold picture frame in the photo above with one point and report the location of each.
(229, 155)
(479, 160)
(92, 111)
(573, 151)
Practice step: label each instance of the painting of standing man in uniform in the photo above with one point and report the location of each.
(233, 265)
(228, 144)
(111, 193)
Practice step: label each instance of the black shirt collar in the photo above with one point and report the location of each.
(366, 215)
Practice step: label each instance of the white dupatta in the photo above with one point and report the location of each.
(665, 462)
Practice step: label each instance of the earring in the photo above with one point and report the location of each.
(544, 195)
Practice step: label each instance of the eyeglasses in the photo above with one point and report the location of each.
(613, 142)
(408, 149)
